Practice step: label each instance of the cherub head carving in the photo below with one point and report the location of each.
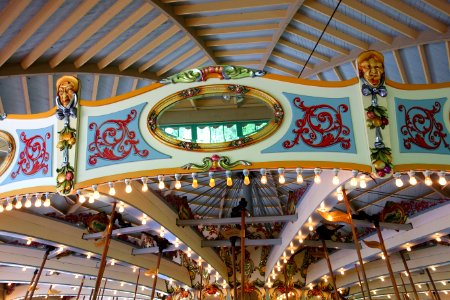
(371, 67)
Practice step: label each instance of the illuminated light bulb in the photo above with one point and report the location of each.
(382, 256)
(96, 193)
(442, 180)
(398, 180)
(217, 276)
(389, 296)
(88, 256)
(189, 252)
(177, 181)
(433, 268)
(81, 198)
(445, 292)
(340, 194)
(113, 262)
(199, 260)
(47, 202)
(212, 182)
(438, 239)
(311, 228)
(144, 184)
(170, 281)
(427, 180)
(354, 180)
(194, 180)
(374, 292)
(444, 282)
(18, 204)
(408, 248)
(299, 172)
(342, 271)
(134, 269)
(28, 201)
(274, 276)
(335, 180)
(246, 178)
(419, 286)
(29, 241)
(121, 207)
(362, 181)
(177, 243)
(115, 292)
(317, 172)
(91, 198)
(229, 179)
(208, 269)
(51, 272)
(162, 232)
(76, 275)
(38, 202)
(322, 206)
(2, 209)
(281, 178)
(426, 293)
(161, 184)
(144, 219)
(325, 278)
(412, 178)
(128, 188)
(142, 288)
(382, 278)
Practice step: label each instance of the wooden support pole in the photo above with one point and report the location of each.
(360, 283)
(137, 283)
(355, 240)
(429, 291)
(158, 262)
(101, 269)
(286, 282)
(387, 260)
(243, 252)
(41, 268)
(432, 283)
(201, 281)
(81, 286)
(330, 269)
(31, 283)
(233, 254)
(405, 294)
(104, 287)
(411, 282)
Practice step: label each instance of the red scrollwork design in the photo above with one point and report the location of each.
(421, 127)
(113, 140)
(321, 126)
(34, 156)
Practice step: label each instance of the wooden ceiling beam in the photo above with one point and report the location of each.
(293, 8)
(2, 109)
(338, 74)
(239, 52)
(282, 69)
(115, 86)
(399, 63)
(380, 18)
(163, 54)
(113, 34)
(177, 61)
(164, 36)
(245, 63)
(10, 13)
(236, 29)
(90, 30)
(95, 87)
(303, 50)
(424, 61)
(289, 58)
(29, 29)
(447, 47)
(314, 39)
(239, 41)
(442, 5)
(50, 91)
(305, 20)
(57, 33)
(217, 7)
(345, 20)
(320, 76)
(234, 18)
(26, 95)
(134, 84)
(416, 15)
(130, 42)
(168, 11)
(197, 64)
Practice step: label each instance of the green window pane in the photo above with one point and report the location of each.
(217, 135)
(171, 131)
(248, 128)
(185, 133)
(230, 132)
(203, 134)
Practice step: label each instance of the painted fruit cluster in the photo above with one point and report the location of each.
(376, 116)
(64, 179)
(381, 161)
(67, 138)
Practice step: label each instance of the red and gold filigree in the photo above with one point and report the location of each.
(321, 126)
(113, 140)
(422, 129)
(34, 157)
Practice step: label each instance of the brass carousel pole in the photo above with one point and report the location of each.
(405, 294)
(286, 282)
(137, 283)
(432, 283)
(355, 240)
(101, 269)
(201, 281)
(330, 269)
(104, 287)
(79, 289)
(33, 287)
(158, 262)
(360, 283)
(31, 284)
(242, 251)
(233, 254)
(411, 282)
(388, 262)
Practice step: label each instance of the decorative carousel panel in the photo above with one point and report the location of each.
(215, 117)
(7, 151)
(318, 124)
(116, 138)
(34, 155)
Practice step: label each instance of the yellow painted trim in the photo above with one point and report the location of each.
(41, 115)
(318, 83)
(421, 167)
(122, 97)
(429, 86)
(30, 190)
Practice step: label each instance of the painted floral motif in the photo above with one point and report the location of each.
(321, 126)
(113, 140)
(422, 129)
(240, 142)
(34, 156)
(238, 89)
(189, 92)
(189, 145)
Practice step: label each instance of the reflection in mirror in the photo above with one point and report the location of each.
(6, 151)
(215, 117)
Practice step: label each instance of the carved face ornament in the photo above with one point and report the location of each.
(373, 71)
(66, 92)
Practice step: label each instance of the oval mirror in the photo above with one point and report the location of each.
(7, 150)
(215, 117)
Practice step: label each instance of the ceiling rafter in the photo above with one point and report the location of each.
(303, 50)
(222, 6)
(442, 5)
(197, 63)
(447, 47)
(168, 11)
(236, 29)
(239, 41)
(29, 29)
(177, 61)
(50, 91)
(346, 20)
(149, 47)
(95, 87)
(243, 62)
(280, 68)
(416, 15)
(2, 109)
(115, 86)
(338, 74)
(305, 20)
(239, 52)
(90, 30)
(130, 42)
(56, 34)
(293, 8)
(381, 18)
(378, 200)
(399, 63)
(424, 61)
(234, 18)
(399, 42)
(26, 95)
(10, 13)
(134, 84)
(113, 34)
(289, 58)
(164, 53)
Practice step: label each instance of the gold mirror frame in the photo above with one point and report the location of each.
(258, 136)
(9, 158)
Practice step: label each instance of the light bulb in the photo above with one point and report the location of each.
(162, 232)
(28, 202)
(194, 183)
(317, 172)
(354, 181)
(9, 206)
(29, 241)
(229, 179)
(428, 181)
(161, 184)
(178, 184)
(177, 243)
(419, 286)
(408, 248)
(91, 198)
(18, 204)
(38, 202)
(281, 178)
(81, 197)
(438, 239)
(389, 296)
(398, 180)
(342, 271)
(144, 184)
(442, 180)
(412, 178)
(340, 194)
(189, 252)
(212, 182)
(335, 180)
(96, 193)
(88, 256)
(382, 278)
(113, 262)
(246, 180)
(47, 202)
(121, 207)
(2, 209)
(311, 228)
(362, 181)
(128, 188)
